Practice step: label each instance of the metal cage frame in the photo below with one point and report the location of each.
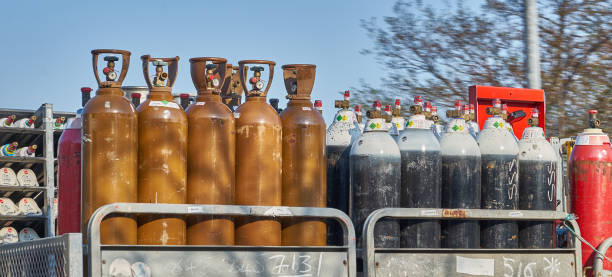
(369, 251)
(95, 249)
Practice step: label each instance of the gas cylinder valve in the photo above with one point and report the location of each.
(59, 122)
(358, 113)
(343, 104)
(109, 70)
(429, 114)
(135, 98)
(496, 109)
(534, 119)
(211, 80)
(318, 105)
(210, 75)
(162, 80)
(113, 76)
(159, 80)
(504, 112)
(466, 113)
(397, 110)
(417, 107)
(256, 81)
(388, 114)
(457, 112)
(434, 114)
(259, 87)
(472, 112)
(376, 112)
(8, 121)
(593, 121)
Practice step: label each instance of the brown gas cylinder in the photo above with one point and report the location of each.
(109, 153)
(162, 155)
(258, 158)
(212, 153)
(304, 159)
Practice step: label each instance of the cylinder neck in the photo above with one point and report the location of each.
(254, 98)
(109, 91)
(208, 92)
(298, 97)
(161, 93)
(208, 97)
(299, 102)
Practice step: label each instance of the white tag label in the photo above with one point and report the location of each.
(194, 209)
(107, 104)
(27, 178)
(200, 103)
(7, 177)
(582, 140)
(473, 266)
(8, 235)
(515, 214)
(277, 211)
(416, 124)
(28, 234)
(27, 206)
(7, 207)
(236, 115)
(167, 104)
(306, 109)
(429, 212)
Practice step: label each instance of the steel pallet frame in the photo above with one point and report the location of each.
(464, 262)
(221, 260)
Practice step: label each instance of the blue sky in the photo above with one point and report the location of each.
(46, 44)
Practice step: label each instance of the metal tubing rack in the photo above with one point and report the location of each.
(44, 165)
(469, 262)
(221, 260)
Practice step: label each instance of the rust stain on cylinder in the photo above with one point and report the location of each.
(110, 140)
(304, 159)
(211, 156)
(162, 159)
(258, 163)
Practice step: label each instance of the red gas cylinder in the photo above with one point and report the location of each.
(69, 174)
(590, 174)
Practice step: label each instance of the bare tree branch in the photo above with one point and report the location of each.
(440, 53)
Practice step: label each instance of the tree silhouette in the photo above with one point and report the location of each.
(440, 53)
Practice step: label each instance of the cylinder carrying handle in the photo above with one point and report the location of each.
(200, 76)
(243, 73)
(111, 78)
(170, 77)
(299, 80)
